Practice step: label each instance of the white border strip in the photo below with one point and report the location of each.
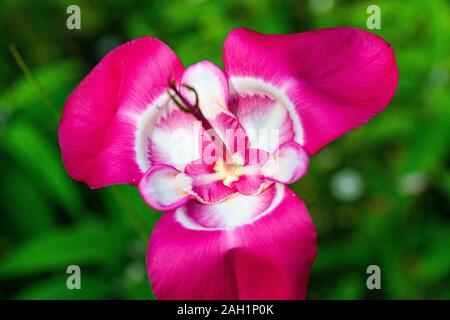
(253, 85)
(189, 223)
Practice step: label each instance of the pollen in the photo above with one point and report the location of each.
(228, 171)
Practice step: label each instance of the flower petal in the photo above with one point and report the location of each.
(175, 138)
(266, 257)
(251, 179)
(98, 130)
(211, 85)
(249, 184)
(164, 188)
(207, 184)
(289, 163)
(266, 121)
(330, 80)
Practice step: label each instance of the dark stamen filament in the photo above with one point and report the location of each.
(184, 105)
(178, 103)
(181, 101)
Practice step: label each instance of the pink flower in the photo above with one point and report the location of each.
(214, 150)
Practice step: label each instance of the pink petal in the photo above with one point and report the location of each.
(251, 179)
(249, 184)
(207, 184)
(176, 138)
(99, 127)
(164, 188)
(264, 251)
(211, 85)
(266, 121)
(289, 163)
(330, 80)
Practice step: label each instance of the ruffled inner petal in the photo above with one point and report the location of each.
(170, 136)
(287, 164)
(208, 184)
(164, 188)
(266, 121)
(235, 211)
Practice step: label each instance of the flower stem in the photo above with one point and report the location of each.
(34, 82)
(135, 218)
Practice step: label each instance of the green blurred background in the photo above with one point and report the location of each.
(379, 195)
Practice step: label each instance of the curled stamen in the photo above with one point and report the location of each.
(179, 104)
(180, 101)
(184, 105)
(195, 92)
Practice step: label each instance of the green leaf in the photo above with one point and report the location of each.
(25, 208)
(127, 207)
(435, 264)
(92, 287)
(42, 163)
(430, 146)
(88, 243)
(345, 254)
(57, 81)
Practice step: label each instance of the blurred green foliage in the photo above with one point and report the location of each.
(379, 195)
